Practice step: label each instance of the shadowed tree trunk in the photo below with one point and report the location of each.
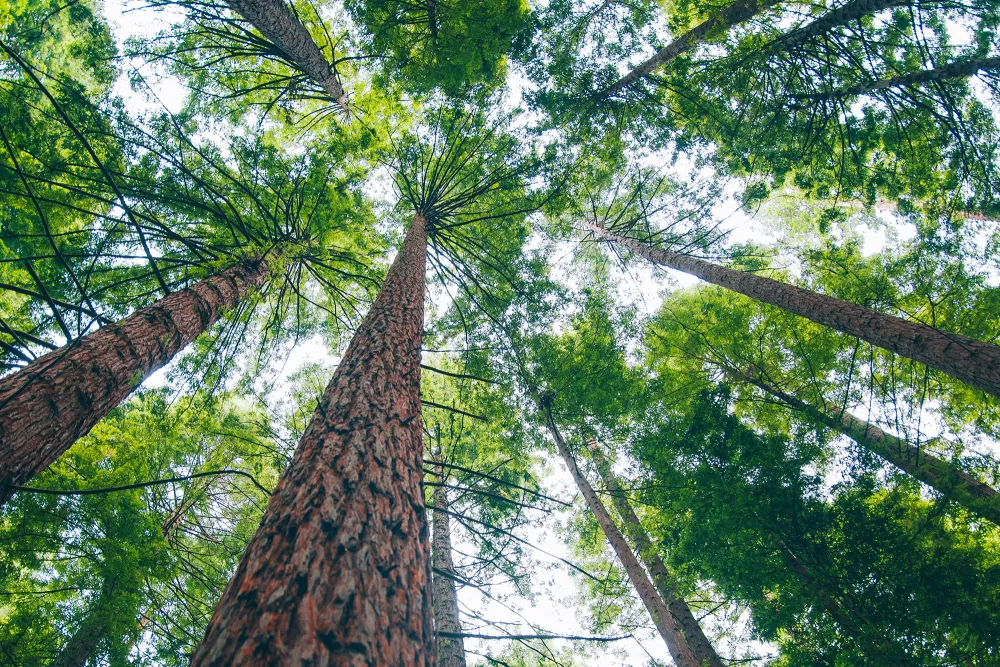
(662, 579)
(972, 361)
(847, 13)
(84, 641)
(275, 20)
(338, 573)
(670, 628)
(948, 480)
(954, 70)
(450, 649)
(736, 13)
(847, 616)
(56, 399)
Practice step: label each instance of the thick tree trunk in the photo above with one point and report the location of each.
(948, 480)
(662, 579)
(954, 70)
(451, 649)
(275, 20)
(82, 644)
(972, 361)
(670, 628)
(338, 572)
(56, 399)
(733, 15)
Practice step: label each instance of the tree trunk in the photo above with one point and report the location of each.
(451, 649)
(733, 15)
(56, 399)
(954, 70)
(338, 573)
(81, 645)
(848, 13)
(972, 361)
(275, 20)
(662, 579)
(846, 615)
(948, 480)
(670, 628)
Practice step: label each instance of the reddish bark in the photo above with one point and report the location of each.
(338, 573)
(662, 579)
(733, 15)
(948, 480)
(56, 399)
(972, 361)
(670, 628)
(275, 20)
(450, 649)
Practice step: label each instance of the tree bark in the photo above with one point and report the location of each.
(670, 628)
(662, 579)
(56, 399)
(948, 480)
(847, 13)
(275, 20)
(338, 573)
(972, 361)
(954, 70)
(733, 15)
(451, 649)
(84, 641)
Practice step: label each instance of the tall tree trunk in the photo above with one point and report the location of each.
(847, 13)
(450, 649)
(56, 399)
(275, 20)
(339, 570)
(670, 628)
(733, 15)
(972, 361)
(953, 70)
(948, 480)
(83, 643)
(662, 579)
(846, 614)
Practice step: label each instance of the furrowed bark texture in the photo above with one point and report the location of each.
(948, 480)
(56, 399)
(338, 573)
(450, 650)
(275, 20)
(954, 70)
(670, 628)
(733, 15)
(972, 361)
(662, 579)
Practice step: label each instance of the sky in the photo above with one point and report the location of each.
(554, 608)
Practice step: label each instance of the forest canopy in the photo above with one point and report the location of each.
(508, 332)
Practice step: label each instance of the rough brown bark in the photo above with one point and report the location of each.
(954, 70)
(450, 649)
(662, 579)
(972, 361)
(275, 20)
(733, 15)
(338, 573)
(84, 641)
(670, 628)
(56, 399)
(948, 480)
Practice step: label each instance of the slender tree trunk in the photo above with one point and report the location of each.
(733, 15)
(450, 650)
(56, 399)
(972, 361)
(662, 579)
(954, 70)
(851, 11)
(670, 628)
(338, 572)
(948, 480)
(846, 614)
(83, 643)
(275, 20)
